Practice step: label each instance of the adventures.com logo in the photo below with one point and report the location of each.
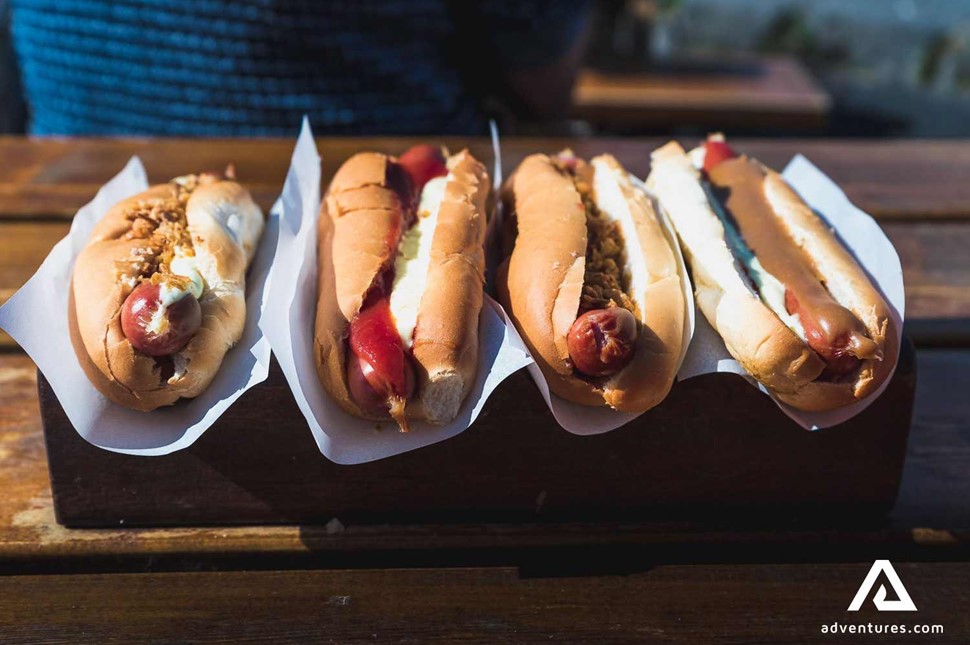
(903, 602)
(881, 600)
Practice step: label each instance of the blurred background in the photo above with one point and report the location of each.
(868, 68)
(863, 67)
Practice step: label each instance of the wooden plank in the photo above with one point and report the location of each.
(23, 247)
(671, 603)
(751, 94)
(936, 270)
(780, 84)
(78, 160)
(931, 514)
(935, 490)
(515, 464)
(890, 179)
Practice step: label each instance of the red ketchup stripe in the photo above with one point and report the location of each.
(715, 152)
(423, 163)
(374, 339)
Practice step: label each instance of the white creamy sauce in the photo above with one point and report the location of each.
(181, 265)
(187, 267)
(413, 260)
(773, 294)
(612, 203)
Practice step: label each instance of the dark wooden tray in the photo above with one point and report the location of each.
(714, 448)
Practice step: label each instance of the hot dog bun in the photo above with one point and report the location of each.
(542, 281)
(755, 335)
(225, 225)
(357, 218)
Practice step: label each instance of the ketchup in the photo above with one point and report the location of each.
(423, 163)
(715, 152)
(380, 373)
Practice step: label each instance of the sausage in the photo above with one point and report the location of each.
(601, 341)
(160, 326)
(368, 389)
(842, 352)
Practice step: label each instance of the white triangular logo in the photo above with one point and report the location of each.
(905, 603)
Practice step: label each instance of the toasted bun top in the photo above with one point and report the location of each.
(364, 209)
(446, 340)
(546, 269)
(357, 219)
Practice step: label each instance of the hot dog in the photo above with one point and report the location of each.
(158, 293)
(791, 303)
(401, 273)
(591, 282)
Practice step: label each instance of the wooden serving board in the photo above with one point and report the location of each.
(716, 447)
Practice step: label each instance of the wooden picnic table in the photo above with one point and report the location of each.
(755, 93)
(614, 582)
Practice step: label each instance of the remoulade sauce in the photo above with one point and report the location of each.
(833, 331)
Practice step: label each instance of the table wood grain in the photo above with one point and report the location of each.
(767, 603)
(903, 179)
(755, 94)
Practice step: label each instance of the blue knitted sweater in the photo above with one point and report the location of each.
(254, 67)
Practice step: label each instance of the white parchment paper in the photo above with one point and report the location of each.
(37, 318)
(872, 249)
(288, 323)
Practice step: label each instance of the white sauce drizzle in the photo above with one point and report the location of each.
(414, 259)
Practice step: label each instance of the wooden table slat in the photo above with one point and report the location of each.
(671, 604)
(756, 93)
(889, 179)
